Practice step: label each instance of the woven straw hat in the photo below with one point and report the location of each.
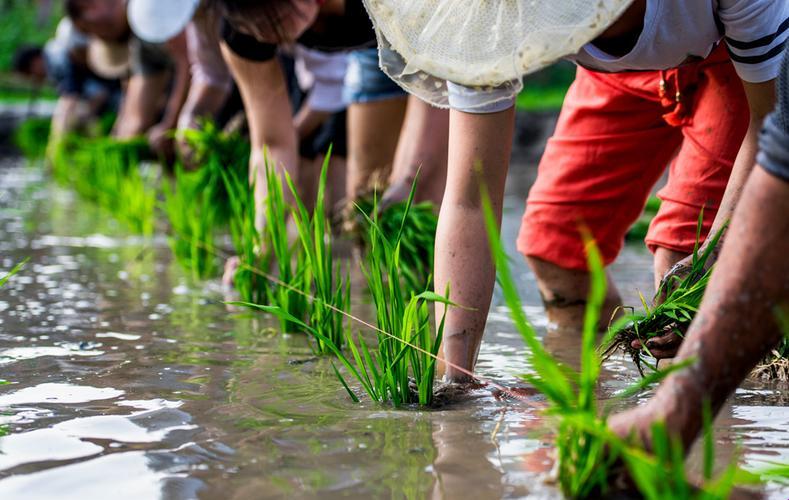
(108, 59)
(481, 43)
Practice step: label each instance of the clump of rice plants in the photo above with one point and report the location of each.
(682, 299)
(401, 368)
(251, 252)
(416, 226)
(294, 272)
(330, 293)
(214, 152)
(193, 218)
(197, 203)
(32, 137)
(588, 452)
(108, 172)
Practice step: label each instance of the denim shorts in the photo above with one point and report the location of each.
(365, 82)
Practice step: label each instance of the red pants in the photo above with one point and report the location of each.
(616, 135)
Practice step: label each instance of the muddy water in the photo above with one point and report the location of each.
(128, 381)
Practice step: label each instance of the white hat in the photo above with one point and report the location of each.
(481, 43)
(157, 21)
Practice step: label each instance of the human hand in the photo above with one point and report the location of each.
(160, 140)
(395, 193)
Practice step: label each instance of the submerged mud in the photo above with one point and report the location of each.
(129, 380)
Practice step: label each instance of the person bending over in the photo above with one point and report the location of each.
(82, 95)
(657, 83)
(156, 70)
(745, 310)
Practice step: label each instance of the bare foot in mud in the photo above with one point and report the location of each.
(452, 392)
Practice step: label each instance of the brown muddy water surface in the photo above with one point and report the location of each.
(129, 381)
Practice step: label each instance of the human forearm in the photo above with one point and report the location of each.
(203, 101)
(736, 324)
(761, 100)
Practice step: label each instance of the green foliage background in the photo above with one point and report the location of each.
(20, 25)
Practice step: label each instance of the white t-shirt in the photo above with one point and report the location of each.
(680, 31)
(322, 75)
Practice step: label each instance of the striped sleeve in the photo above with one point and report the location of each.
(755, 33)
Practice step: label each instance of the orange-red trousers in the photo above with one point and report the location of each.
(616, 135)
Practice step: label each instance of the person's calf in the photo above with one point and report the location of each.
(564, 295)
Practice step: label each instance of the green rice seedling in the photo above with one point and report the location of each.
(250, 250)
(584, 459)
(410, 348)
(416, 224)
(330, 293)
(401, 368)
(197, 204)
(32, 137)
(12, 272)
(293, 269)
(193, 221)
(674, 314)
(215, 152)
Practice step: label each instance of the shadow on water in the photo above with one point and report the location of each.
(130, 381)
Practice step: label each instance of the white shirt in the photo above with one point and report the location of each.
(679, 31)
(676, 32)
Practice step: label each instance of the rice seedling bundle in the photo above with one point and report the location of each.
(401, 369)
(216, 152)
(682, 299)
(330, 293)
(107, 172)
(416, 226)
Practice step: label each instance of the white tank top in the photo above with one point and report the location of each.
(678, 31)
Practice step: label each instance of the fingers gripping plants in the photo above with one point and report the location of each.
(682, 299)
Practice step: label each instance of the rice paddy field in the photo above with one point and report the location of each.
(126, 375)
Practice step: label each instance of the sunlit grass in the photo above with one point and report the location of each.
(15, 270)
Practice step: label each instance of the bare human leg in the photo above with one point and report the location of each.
(479, 154)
